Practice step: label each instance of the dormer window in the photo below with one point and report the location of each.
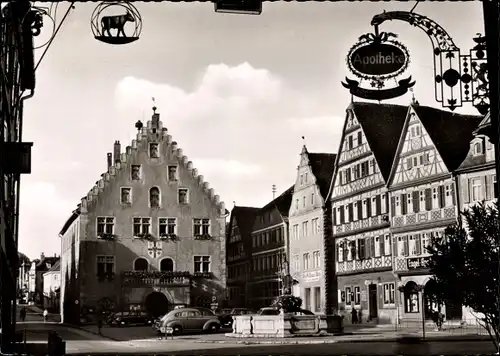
(126, 195)
(172, 173)
(153, 150)
(478, 148)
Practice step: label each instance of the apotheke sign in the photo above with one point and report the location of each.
(376, 59)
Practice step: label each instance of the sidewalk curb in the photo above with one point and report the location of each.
(333, 341)
(89, 331)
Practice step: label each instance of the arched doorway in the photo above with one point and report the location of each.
(166, 265)
(431, 302)
(411, 298)
(141, 264)
(156, 304)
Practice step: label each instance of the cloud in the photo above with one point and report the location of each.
(232, 168)
(240, 122)
(41, 210)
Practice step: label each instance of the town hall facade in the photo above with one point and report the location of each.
(149, 236)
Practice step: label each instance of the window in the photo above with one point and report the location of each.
(303, 202)
(357, 296)
(426, 241)
(449, 197)
(409, 202)
(389, 293)
(374, 206)
(305, 177)
(384, 204)
(172, 173)
(401, 245)
(141, 226)
(296, 203)
(105, 225)
(312, 198)
(183, 196)
(296, 231)
(317, 299)
(126, 195)
(435, 201)
(355, 216)
(135, 172)
(301, 179)
(166, 265)
(141, 264)
(398, 205)
(296, 263)
(348, 295)
(153, 150)
(422, 200)
(202, 263)
(307, 298)
(346, 213)
(360, 138)
(167, 226)
(201, 226)
(305, 260)
(304, 228)
(316, 259)
(476, 189)
(105, 265)
(154, 197)
(377, 246)
(412, 245)
(315, 227)
(340, 247)
(478, 148)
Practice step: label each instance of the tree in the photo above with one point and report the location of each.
(465, 264)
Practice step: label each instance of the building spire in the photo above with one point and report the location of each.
(154, 105)
(413, 100)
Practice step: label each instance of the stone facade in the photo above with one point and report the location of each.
(149, 235)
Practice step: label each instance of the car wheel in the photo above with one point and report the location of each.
(177, 330)
(213, 328)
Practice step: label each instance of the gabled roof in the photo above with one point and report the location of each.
(484, 126)
(382, 125)
(42, 265)
(322, 166)
(74, 214)
(282, 202)
(245, 216)
(451, 133)
(56, 267)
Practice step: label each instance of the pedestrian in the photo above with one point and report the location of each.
(99, 324)
(354, 316)
(45, 315)
(22, 314)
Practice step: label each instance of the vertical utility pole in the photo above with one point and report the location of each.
(491, 15)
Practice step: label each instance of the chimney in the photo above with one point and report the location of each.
(110, 159)
(117, 151)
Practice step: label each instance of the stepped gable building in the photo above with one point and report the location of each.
(150, 234)
(269, 251)
(423, 198)
(239, 255)
(360, 211)
(306, 227)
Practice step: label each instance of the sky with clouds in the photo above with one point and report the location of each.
(236, 92)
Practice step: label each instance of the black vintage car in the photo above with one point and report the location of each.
(128, 319)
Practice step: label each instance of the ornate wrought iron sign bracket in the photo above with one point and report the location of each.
(459, 78)
(102, 24)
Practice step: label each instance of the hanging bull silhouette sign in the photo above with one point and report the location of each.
(121, 26)
(375, 59)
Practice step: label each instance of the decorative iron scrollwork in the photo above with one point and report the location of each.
(459, 78)
(104, 20)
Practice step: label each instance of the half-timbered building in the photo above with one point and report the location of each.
(306, 227)
(423, 199)
(269, 251)
(360, 210)
(239, 254)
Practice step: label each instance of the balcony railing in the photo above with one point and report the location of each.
(367, 263)
(424, 216)
(155, 278)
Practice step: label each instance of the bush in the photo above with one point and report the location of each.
(288, 303)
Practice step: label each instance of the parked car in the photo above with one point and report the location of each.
(128, 319)
(189, 319)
